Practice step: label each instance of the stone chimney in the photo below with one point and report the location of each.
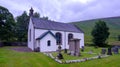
(31, 12)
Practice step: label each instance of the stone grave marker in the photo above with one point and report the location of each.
(72, 53)
(60, 56)
(115, 50)
(82, 49)
(103, 51)
(90, 52)
(109, 51)
(65, 50)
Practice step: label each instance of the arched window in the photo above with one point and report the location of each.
(30, 35)
(59, 38)
(70, 36)
(48, 43)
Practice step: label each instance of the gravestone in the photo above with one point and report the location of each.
(103, 51)
(82, 49)
(60, 56)
(74, 47)
(99, 57)
(109, 51)
(90, 52)
(65, 51)
(72, 53)
(115, 50)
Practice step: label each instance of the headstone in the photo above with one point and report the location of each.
(99, 57)
(90, 52)
(69, 53)
(60, 56)
(65, 51)
(115, 50)
(72, 53)
(109, 51)
(103, 51)
(77, 54)
(82, 49)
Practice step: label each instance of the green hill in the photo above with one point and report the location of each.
(87, 26)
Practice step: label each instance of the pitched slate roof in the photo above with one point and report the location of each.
(52, 25)
(44, 34)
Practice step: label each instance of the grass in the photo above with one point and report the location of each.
(10, 58)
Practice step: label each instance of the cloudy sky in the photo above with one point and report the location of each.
(65, 10)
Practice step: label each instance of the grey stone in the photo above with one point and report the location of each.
(82, 49)
(109, 51)
(72, 53)
(90, 52)
(115, 50)
(103, 51)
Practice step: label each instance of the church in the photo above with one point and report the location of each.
(47, 35)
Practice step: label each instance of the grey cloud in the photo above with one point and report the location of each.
(66, 10)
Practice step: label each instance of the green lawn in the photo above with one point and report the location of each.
(10, 58)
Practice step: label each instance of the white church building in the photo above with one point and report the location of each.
(48, 35)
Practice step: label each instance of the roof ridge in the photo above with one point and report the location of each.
(40, 23)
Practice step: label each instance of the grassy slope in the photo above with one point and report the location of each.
(87, 26)
(9, 58)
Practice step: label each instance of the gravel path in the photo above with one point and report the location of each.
(22, 49)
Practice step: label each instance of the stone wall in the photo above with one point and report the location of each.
(1, 44)
(13, 44)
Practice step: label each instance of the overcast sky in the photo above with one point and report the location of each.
(65, 10)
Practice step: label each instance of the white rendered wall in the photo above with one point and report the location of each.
(30, 43)
(43, 44)
(64, 45)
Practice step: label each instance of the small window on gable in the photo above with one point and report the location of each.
(48, 43)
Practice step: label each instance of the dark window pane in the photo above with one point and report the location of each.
(59, 38)
(49, 43)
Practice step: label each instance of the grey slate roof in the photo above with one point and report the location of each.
(52, 25)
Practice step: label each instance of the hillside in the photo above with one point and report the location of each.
(87, 26)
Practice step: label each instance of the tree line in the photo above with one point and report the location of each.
(12, 30)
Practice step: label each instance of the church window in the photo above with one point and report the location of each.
(30, 35)
(48, 43)
(59, 38)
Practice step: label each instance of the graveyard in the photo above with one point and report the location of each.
(88, 52)
(13, 58)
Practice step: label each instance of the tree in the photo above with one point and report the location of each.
(46, 18)
(22, 27)
(7, 24)
(36, 14)
(100, 33)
